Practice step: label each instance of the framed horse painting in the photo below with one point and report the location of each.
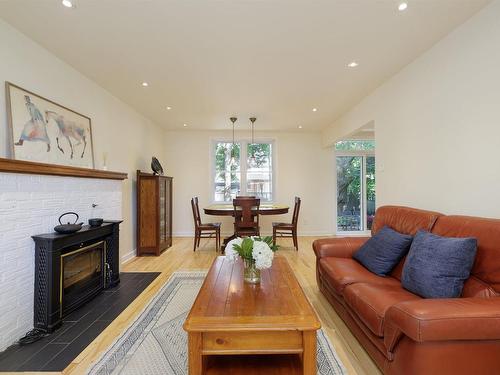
(46, 132)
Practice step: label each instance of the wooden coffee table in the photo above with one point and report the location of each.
(231, 317)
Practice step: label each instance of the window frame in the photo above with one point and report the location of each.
(243, 165)
(364, 217)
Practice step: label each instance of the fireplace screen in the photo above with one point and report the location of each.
(82, 275)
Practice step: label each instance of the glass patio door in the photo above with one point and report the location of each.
(349, 205)
(355, 186)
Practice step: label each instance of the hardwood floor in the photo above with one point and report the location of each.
(181, 257)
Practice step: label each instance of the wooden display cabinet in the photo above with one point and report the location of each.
(154, 213)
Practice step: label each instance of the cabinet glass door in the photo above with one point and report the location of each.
(168, 210)
(163, 211)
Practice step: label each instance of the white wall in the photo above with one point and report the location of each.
(128, 138)
(302, 168)
(437, 124)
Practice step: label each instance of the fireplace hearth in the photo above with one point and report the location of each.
(71, 269)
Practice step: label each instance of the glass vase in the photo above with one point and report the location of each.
(250, 273)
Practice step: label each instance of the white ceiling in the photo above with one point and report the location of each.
(210, 59)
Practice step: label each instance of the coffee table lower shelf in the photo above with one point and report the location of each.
(202, 346)
(276, 364)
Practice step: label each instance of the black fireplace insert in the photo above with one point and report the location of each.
(82, 275)
(71, 269)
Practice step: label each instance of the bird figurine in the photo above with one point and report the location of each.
(156, 167)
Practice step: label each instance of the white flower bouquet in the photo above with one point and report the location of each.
(257, 254)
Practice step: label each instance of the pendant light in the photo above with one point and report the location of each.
(233, 156)
(252, 158)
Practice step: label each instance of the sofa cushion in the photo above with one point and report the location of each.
(404, 219)
(474, 287)
(341, 272)
(437, 267)
(370, 302)
(487, 231)
(381, 253)
(398, 270)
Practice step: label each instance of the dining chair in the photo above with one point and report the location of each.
(246, 216)
(288, 229)
(207, 230)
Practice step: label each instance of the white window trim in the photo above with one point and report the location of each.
(243, 168)
(364, 154)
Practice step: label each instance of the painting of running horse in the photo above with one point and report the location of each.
(69, 130)
(47, 132)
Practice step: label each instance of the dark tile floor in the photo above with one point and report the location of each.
(79, 329)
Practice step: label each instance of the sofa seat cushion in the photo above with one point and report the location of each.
(341, 272)
(370, 302)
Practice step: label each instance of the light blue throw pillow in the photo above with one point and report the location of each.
(437, 267)
(381, 253)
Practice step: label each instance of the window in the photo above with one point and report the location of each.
(227, 171)
(245, 169)
(355, 185)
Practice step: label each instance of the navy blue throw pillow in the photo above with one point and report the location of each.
(381, 253)
(437, 267)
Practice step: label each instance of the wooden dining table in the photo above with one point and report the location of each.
(228, 210)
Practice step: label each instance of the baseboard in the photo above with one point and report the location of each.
(128, 257)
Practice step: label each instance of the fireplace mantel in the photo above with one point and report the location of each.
(29, 167)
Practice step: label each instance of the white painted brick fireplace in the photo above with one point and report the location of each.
(29, 205)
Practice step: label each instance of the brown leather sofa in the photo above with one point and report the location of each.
(402, 332)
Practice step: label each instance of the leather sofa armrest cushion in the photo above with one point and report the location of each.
(340, 247)
(444, 319)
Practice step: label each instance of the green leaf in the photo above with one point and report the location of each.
(237, 248)
(246, 248)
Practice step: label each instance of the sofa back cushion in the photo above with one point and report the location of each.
(405, 220)
(487, 263)
(475, 288)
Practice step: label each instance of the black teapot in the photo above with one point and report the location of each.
(68, 228)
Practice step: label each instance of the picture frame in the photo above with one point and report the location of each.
(44, 131)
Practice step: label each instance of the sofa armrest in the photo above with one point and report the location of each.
(443, 319)
(340, 247)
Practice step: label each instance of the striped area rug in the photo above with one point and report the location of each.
(156, 344)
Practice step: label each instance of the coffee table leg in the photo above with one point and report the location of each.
(194, 354)
(309, 356)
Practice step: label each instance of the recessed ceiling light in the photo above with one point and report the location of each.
(185, 125)
(67, 3)
(315, 109)
(402, 6)
(352, 64)
(169, 108)
(145, 84)
(300, 126)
